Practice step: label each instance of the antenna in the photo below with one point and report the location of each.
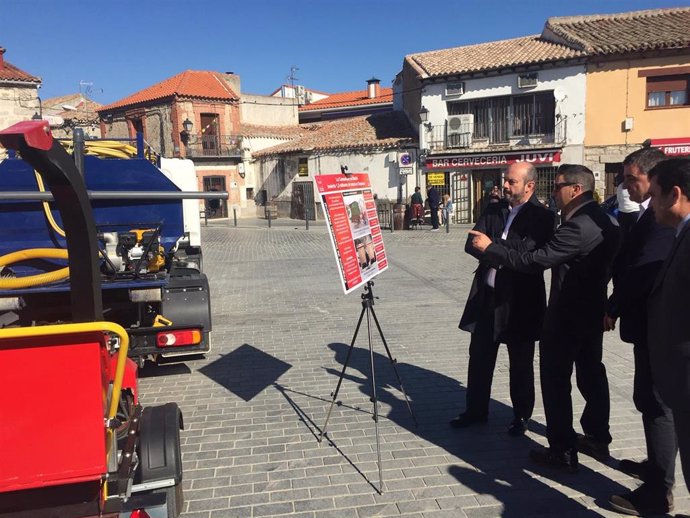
(291, 78)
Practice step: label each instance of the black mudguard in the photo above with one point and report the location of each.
(160, 457)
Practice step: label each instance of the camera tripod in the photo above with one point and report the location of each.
(368, 309)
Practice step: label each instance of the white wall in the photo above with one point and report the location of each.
(268, 110)
(571, 80)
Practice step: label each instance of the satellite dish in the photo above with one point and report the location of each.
(559, 94)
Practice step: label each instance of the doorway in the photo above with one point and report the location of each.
(302, 200)
(483, 181)
(215, 208)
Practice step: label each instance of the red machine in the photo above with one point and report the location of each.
(75, 441)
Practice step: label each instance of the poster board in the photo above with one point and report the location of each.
(353, 225)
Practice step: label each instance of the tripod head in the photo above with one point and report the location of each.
(368, 295)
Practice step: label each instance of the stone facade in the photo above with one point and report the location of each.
(17, 103)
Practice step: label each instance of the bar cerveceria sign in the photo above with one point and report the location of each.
(492, 159)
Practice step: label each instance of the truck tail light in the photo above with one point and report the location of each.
(139, 513)
(178, 338)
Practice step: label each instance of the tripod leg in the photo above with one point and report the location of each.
(394, 364)
(342, 373)
(375, 401)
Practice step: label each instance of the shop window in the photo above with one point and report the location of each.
(667, 87)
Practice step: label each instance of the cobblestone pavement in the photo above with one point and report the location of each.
(254, 407)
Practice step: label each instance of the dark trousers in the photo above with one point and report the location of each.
(483, 352)
(434, 216)
(557, 357)
(657, 420)
(681, 420)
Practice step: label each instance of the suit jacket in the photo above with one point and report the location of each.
(520, 298)
(669, 325)
(580, 254)
(635, 269)
(433, 198)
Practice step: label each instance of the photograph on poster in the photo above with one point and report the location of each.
(366, 252)
(356, 212)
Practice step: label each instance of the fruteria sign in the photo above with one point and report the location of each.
(492, 159)
(673, 146)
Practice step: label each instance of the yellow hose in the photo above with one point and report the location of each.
(46, 207)
(33, 280)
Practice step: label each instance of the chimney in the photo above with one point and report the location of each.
(373, 88)
(2, 58)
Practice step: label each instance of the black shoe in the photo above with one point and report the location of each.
(634, 468)
(466, 419)
(518, 427)
(643, 501)
(588, 445)
(562, 460)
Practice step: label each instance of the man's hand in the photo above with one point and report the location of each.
(480, 241)
(609, 323)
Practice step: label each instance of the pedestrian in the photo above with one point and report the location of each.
(643, 252)
(447, 209)
(669, 326)
(580, 254)
(506, 306)
(417, 204)
(433, 199)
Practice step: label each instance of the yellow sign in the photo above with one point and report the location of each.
(436, 178)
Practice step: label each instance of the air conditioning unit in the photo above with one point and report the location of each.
(299, 90)
(460, 129)
(527, 80)
(455, 89)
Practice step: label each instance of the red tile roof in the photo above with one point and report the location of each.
(383, 130)
(489, 56)
(346, 99)
(8, 72)
(190, 83)
(600, 34)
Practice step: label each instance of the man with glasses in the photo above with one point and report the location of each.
(505, 306)
(580, 254)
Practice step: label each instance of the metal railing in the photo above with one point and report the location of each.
(214, 146)
(439, 138)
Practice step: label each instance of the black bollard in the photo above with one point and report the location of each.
(447, 223)
(392, 221)
(269, 217)
(306, 217)
(234, 216)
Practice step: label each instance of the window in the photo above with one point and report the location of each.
(667, 87)
(500, 118)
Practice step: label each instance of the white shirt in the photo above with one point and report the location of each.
(513, 211)
(625, 204)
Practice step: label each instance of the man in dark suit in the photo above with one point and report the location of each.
(645, 247)
(505, 306)
(668, 324)
(580, 255)
(433, 199)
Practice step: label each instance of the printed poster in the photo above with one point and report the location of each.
(353, 224)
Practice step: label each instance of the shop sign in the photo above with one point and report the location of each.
(303, 167)
(436, 179)
(493, 159)
(673, 146)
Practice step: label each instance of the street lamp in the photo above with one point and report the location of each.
(424, 118)
(187, 126)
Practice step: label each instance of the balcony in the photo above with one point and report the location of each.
(496, 135)
(214, 146)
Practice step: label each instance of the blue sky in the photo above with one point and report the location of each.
(121, 46)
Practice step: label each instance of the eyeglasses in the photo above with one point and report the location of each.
(558, 186)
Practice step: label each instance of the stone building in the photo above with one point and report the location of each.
(19, 99)
(71, 111)
(588, 89)
(373, 144)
